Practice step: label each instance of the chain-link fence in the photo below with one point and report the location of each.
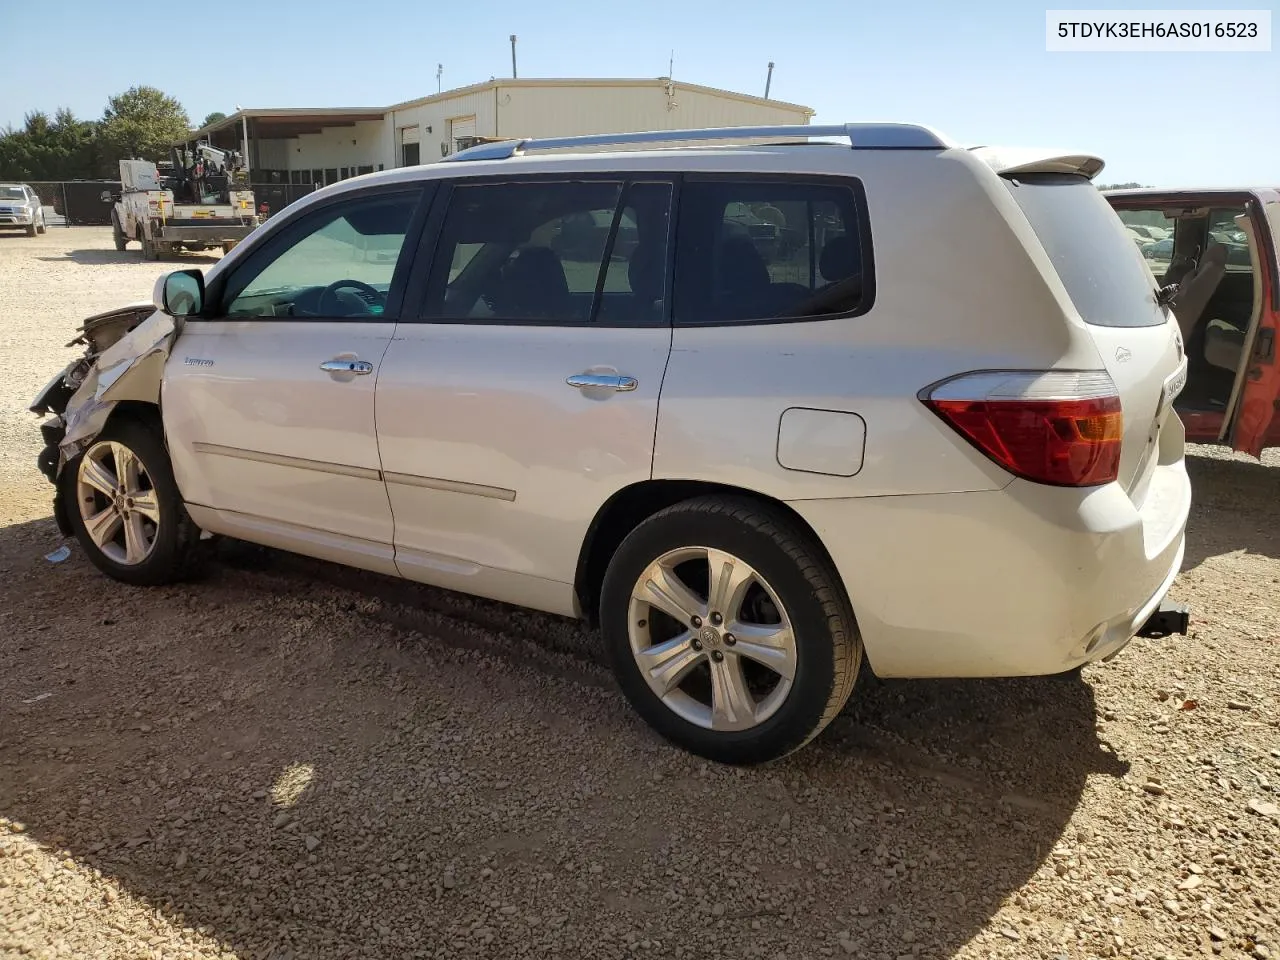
(77, 203)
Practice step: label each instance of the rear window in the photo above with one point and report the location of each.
(1096, 260)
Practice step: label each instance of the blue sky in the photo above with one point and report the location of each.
(978, 72)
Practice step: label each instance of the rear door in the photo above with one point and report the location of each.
(524, 393)
(1257, 387)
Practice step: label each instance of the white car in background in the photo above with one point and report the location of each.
(933, 430)
(20, 207)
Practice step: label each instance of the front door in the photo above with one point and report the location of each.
(526, 392)
(268, 397)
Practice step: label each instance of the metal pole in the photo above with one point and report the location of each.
(513, 57)
(439, 75)
(244, 121)
(768, 80)
(66, 220)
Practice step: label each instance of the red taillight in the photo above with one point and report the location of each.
(1057, 427)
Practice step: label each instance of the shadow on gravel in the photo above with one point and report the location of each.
(1235, 507)
(312, 762)
(98, 257)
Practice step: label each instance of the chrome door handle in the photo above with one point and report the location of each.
(603, 381)
(358, 367)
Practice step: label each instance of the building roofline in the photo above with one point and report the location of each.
(509, 83)
(373, 113)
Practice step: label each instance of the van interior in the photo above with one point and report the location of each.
(1207, 252)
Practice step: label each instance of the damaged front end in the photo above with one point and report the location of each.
(125, 352)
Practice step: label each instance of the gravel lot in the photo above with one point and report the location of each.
(289, 761)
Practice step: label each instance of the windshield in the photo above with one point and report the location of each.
(12, 193)
(1094, 257)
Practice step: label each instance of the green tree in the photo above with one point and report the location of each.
(213, 118)
(142, 122)
(63, 148)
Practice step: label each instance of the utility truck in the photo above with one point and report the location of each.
(198, 199)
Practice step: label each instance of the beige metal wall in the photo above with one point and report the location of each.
(436, 114)
(550, 109)
(553, 111)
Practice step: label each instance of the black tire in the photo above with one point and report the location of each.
(150, 250)
(117, 232)
(829, 648)
(31, 229)
(40, 227)
(177, 553)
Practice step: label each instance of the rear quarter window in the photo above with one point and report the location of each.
(1094, 257)
(772, 249)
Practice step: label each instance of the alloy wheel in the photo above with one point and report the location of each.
(711, 638)
(117, 502)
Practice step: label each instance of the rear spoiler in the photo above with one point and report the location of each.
(1012, 161)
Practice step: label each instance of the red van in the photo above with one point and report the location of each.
(1219, 247)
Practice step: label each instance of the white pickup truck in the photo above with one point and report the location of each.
(164, 214)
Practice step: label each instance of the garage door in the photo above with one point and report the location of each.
(463, 128)
(409, 148)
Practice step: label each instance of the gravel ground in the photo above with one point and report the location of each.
(286, 760)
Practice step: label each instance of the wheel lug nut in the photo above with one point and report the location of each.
(730, 639)
(716, 618)
(717, 656)
(697, 644)
(696, 621)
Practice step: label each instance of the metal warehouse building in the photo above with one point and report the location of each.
(317, 146)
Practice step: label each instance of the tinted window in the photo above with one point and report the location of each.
(1152, 233)
(1098, 263)
(336, 262)
(558, 252)
(768, 250)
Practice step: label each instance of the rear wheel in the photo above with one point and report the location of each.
(727, 630)
(125, 509)
(150, 251)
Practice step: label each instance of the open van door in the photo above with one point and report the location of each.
(1252, 408)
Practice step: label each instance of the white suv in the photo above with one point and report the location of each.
(758, 410)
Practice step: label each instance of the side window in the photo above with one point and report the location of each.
(559, 252)
(1152, 233)
(1223, 229)
(749, 250)
(336, 262)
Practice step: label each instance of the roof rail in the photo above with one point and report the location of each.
(861, 136)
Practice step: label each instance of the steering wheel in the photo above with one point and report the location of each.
(329, 299)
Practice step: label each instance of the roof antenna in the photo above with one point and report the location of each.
(671, 66)
(439, 74)
(768, 80)
(513, 57)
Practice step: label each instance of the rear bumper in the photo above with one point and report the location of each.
(213, 233)
(1024, 581)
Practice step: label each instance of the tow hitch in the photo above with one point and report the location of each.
(1170, 618)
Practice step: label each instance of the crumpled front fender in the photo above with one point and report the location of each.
(130, 369)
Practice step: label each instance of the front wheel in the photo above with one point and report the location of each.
(728, 631)
(125, 508)
(40, 227)
(117, 232)
(31, 229)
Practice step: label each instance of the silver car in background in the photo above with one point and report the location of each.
(20, 207)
